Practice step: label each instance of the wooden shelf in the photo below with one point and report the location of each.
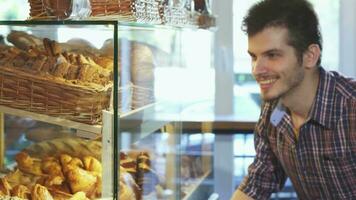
(94, 129)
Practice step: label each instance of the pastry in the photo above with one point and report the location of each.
(92, 164)
(28, 164)
(21, 191)
(5, 187)
(40, 192)
(81, 180)
(78, 196)
(18, 177)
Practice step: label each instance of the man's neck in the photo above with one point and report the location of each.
(300, 100)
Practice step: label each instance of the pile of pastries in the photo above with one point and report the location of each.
(76, 61)
(66, 177)
(62, 177)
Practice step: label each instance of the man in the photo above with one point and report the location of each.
(307, 127)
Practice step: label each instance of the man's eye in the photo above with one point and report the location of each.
(272, 55)
(253, 58)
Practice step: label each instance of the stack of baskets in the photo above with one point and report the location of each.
(56, 9)
(111, 7)
(150, 11)
(61, 9)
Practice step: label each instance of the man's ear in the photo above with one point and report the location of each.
(311, 56)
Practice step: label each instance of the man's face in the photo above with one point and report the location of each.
(274, 63)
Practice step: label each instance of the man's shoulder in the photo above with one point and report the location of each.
(344, 86)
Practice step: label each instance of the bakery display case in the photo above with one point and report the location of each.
(92, 110)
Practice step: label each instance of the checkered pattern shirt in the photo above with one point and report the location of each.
(321, 162)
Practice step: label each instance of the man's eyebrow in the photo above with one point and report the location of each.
(275, 50)
(272, 51)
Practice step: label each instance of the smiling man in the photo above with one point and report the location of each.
(307, 127)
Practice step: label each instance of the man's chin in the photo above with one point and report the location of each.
(268, 98)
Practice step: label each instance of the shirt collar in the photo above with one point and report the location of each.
(322, 110)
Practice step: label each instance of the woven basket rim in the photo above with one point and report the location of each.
(50, 79)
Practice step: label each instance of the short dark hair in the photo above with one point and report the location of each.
(298, 16)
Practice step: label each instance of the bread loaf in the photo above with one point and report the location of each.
(24, 41)
(72, 146)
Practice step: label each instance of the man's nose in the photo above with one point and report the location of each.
(259, 67)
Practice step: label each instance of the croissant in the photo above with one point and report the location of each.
(5, 187)
(18, 177)
(92, 164)
(40, 192)
(81, 180)
(21, 191)
(50, 165)
(28, 164)
(79, 196)
(69, 163)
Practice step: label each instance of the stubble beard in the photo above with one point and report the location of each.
(291, 83)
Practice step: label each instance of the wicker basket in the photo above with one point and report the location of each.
(132, 97)
(60, 9)
(52, 96)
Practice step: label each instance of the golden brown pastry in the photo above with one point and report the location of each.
(40, 192)
(5, 187)
(79, 196)
(92, 164)
(81, 180)
(68, 162)
(27, 164)
(18, 177)
(105, 62)
(50, 165)
(65, 159)
(21, 191)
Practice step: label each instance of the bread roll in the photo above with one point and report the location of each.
(23, 40)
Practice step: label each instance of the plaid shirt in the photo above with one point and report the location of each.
(321, 163)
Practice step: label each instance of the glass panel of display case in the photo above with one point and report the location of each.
(56, 82)
(158, 79)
